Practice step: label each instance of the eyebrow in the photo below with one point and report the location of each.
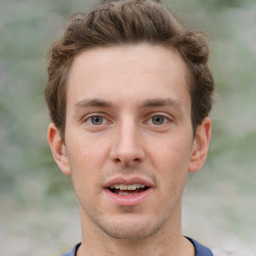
(161, 102)
(93, 103)
(146, 104)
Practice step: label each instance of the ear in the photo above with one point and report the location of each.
(200, 145)
(58, 149)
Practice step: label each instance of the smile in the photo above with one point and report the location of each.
(127, 190)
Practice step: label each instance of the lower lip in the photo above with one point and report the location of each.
(129, 200)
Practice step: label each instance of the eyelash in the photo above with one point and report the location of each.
(105, 121)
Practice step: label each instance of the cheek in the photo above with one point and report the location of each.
(84, 149)
(173, 154)
(86, 158)
(85, 163)
(171, 161)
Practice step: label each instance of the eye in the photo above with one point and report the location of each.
(96, 120)
(158, 120)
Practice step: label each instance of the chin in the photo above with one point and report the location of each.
(131, 229)
(131, 234)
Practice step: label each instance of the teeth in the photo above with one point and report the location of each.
(131, 187)
(127, 187)
(123, 187)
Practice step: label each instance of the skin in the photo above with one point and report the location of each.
(139, 98)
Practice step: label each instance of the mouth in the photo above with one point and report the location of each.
(127, 190)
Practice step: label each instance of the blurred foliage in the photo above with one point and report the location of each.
(27, 169)
(216, 5)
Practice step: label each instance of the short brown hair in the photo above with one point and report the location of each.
(129, 22)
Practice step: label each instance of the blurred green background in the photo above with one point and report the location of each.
(38, 211)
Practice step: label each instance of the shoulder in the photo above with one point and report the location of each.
(200, 249)
(73, 251)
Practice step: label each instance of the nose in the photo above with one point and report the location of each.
(127, 145)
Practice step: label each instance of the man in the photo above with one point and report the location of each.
(129, 93)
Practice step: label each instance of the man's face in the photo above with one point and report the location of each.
(128, 139)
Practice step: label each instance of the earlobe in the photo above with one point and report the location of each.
(58, 149)
(200, 145)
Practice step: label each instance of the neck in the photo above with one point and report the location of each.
(166, 241)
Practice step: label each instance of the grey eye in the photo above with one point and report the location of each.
(97, 120)
(158, 120)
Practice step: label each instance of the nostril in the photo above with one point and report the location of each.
(117, 160)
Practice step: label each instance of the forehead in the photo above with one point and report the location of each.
(118, 72)
(156, 58)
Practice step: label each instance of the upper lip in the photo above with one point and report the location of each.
(128, 181)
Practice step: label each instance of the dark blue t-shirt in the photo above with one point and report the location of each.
(199, 249)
